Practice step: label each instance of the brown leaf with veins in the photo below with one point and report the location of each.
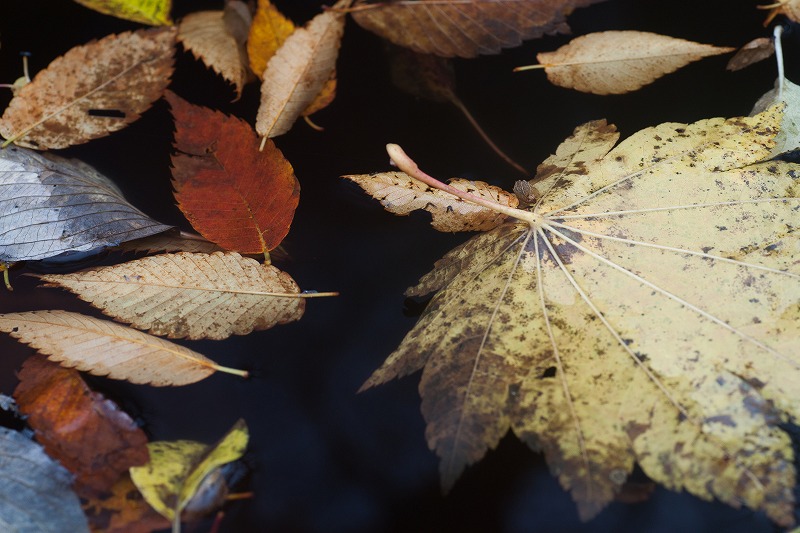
(233, 194)
(84, 431)
(752, 52)
(91, 91)
(465, 28)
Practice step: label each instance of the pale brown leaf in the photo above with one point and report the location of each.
(752, 52)
(172, 240)
(191, 295)
(77, 97)
(104, 348)
(615, 62)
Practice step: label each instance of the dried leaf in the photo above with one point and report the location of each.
(91, 91)
(297, 73)
(267, 34)
(35, 490)
(123, 510)
(184, 295)
(465, 28)
(51, 206)
(233, 194)
(81, 429)
(644, 309)
(787, 94)
(153, 12)
(399, 193)
(789, 8)
(615, 62)
(752, 52)
(104, 348)
(172, 240)
(210, 36)
(177, 469)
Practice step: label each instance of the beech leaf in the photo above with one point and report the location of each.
(788, 94)
(752, 52)
(643, 310)
(268, 32)
(233, 194)
(153, 12)
(110, 83)
(465, 28)
(104, 348)
(196, 296)
(51, 206)
(615, 62)
(789, 8)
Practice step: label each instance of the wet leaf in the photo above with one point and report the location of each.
(233, 194)
(267, 34)
(111, 82)
(172, 240)
(104, 348)
(615, 62)
(122, 510)
(178, 469)
(196, 296)
(51, 206)
(35, 490)
(153, 12)
(752, 52)
(81, 429)
(465, 28)
(644, 309)
(787, 94)
(789, 8)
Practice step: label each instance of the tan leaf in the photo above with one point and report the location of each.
(172, 240)
(79, 95)
(104, 348)
(615, 62)
(790, 8)
(465, 28)
(197, 296)
(296, 74)
(214, 38)
(752, 52)
(399, 193)
(267, 34)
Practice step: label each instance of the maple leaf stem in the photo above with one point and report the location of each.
(229, 370)
(407, 165)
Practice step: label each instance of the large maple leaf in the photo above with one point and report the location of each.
(642, 309)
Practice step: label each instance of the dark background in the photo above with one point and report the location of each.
(322, 457)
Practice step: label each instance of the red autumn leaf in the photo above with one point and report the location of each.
(233, 194)
(83, 430)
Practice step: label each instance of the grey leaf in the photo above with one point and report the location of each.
(51, 206)
(35, 492)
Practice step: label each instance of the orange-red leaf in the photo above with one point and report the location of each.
(233, 194)
(84, 431)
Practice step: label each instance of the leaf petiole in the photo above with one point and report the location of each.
(4, 268)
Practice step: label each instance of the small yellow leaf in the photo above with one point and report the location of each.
(153, 12)
(267, 34)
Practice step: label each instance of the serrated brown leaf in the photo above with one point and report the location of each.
(298, 71)
(104, 348)
(76, 98)
(465, 28)
(185, 295)
(216, 38)
(87, 433)
(233, 194)
(401, 194)
(615, 62)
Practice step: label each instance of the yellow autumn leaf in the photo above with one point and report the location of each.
(177, 469)
(153, 12)
(268, 32)
(643, 310)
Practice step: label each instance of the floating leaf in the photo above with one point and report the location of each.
(233, 194)
(172, 240)
(35, 490)
(111, 82)
(788, 94)
(51, 206)
(789, 8)
(465, 28)
(177, 469)
(268, 32)
(218, 39)
(122, 510)
(615, 62)
(153, 12)
(198, 296)
(104, 348)
(84, 431)
(643, 309)
(752, 52)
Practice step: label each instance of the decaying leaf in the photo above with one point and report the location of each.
(465, 28)
(401, 194)
(178, 469)
(104, 348)
(91, 91)
(35, 490)
(153, 12)
(172, 240)
(752, 52)
(85, 432)
(644, 309)
(789, 8)
(268, 32)
(218, 39)
(122, 510)
(788, 94)
(51, 206)
(298, 71)
(233, 194)
(615, 62)
(196, 296)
